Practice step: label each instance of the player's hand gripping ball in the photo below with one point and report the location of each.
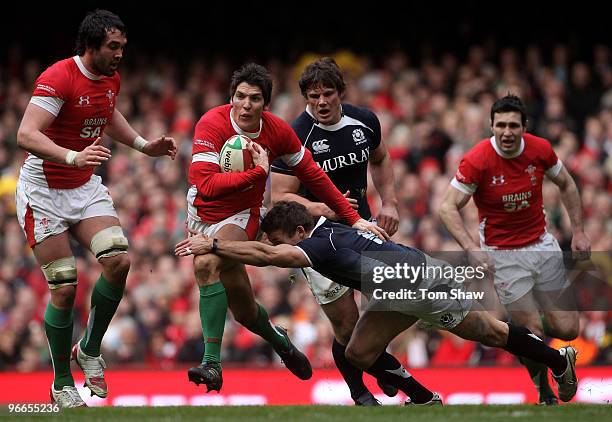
(234, 155)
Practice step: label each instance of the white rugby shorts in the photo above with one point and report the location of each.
(44, 212)
(538, 266)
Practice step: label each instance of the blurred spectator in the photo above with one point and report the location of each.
(430, 114)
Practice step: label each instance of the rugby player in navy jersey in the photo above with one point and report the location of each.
(351, 256)
(344, 141)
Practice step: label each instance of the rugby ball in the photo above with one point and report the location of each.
(235, 156)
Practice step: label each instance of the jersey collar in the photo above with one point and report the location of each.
(333, 127)
(319, 222)
(250, 135)
(503, 154)
(84, 71)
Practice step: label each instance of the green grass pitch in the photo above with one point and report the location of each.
(530, 412)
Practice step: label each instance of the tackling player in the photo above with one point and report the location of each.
(58, 195)
(351, 256)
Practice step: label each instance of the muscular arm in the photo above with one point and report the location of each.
(571, 200)
(285, 188)
(381, 169)
(30, 135)
(453, 201)
(120, 130)
(251, 253)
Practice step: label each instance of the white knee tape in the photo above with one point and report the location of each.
(109, 242)
(61, 272)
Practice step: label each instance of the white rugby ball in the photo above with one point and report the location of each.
(235, 156)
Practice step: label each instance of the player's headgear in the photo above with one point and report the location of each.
(287, 216)
(508, 104)
(253, 74)
(322, 72)
(94, 27)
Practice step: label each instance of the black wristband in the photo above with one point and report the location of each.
(215, 245)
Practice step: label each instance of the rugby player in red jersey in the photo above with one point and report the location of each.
(58, 196)
(504, 175)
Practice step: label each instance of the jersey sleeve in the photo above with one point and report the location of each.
(289, 146)
(279, 166)
(52, 89)
(317, 249)
(374, 124)
(552, 163)
(467, 177)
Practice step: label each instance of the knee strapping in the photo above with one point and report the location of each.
(61, 272)
(109, 242)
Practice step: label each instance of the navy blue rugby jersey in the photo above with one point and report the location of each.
(345, 255)
(341, 150)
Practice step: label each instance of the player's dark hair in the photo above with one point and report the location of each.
(323, 72)
(94, 27)
(253, 74)
(507, 104)
(287, 216)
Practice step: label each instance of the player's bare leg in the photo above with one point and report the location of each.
(526, 312)
(366, 350)
(560, 313)
(254, 317)
(225, 283)
(55, 256)
(479, 325)
(104, 237)
(343, 315)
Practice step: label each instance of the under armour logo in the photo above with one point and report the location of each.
(498, 180)
(84, 99)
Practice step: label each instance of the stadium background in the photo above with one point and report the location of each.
(429, 74)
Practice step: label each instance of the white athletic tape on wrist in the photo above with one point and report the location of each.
(140, 142)
(71, 158)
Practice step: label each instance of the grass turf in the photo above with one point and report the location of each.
(571, 412)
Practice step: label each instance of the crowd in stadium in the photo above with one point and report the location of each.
(431, 113)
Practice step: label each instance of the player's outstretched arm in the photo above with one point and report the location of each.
(120, 130)
(251, 253)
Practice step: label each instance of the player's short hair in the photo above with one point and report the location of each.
(94, 27)
(507, 104)
(322, 72)
(253, 74)
(287, 216)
